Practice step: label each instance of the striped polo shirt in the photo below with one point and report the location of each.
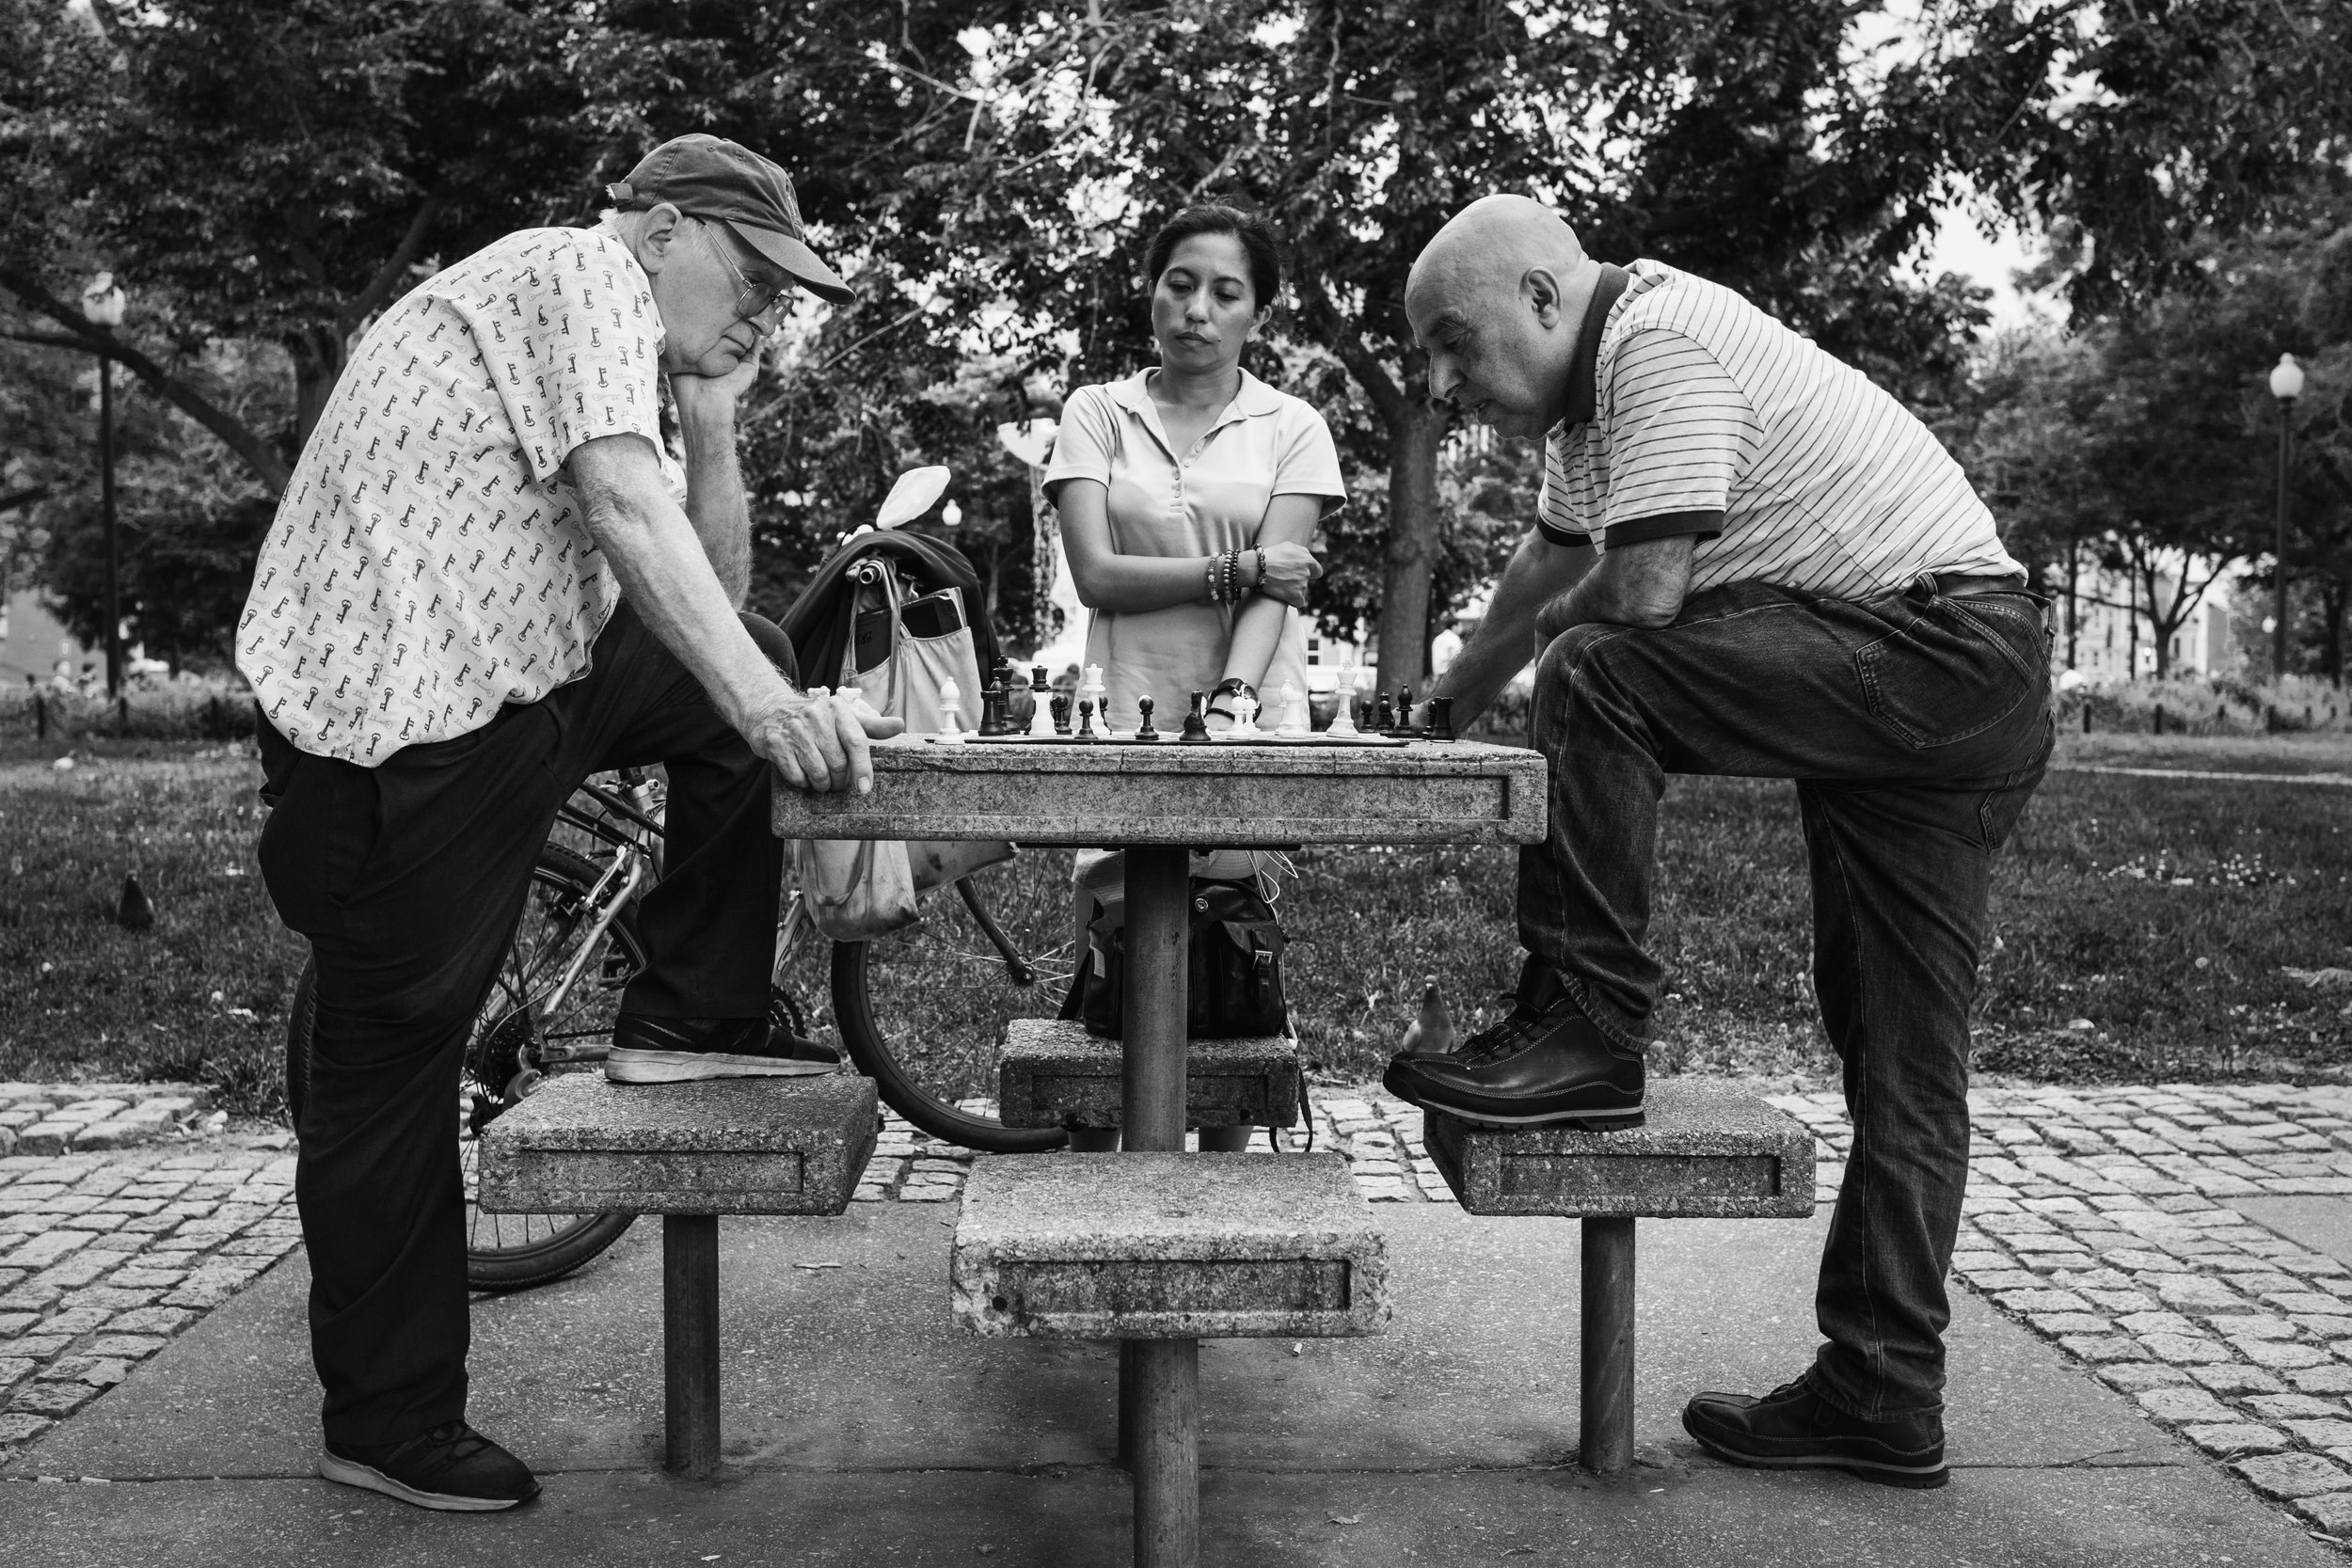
(1693, 412)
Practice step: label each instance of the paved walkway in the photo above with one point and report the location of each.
(2111, 1222)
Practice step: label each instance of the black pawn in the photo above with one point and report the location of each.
(1060, 704)
(1196, 721)
(1404, 710)
(1144, 732)
(134, 912)
(1441, 718)
(1386, 724)
(1086, 720)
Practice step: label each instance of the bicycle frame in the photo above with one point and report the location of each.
(632, 869)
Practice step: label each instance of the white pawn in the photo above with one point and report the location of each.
(950, 713)
(1295, 724)
(1245, 717)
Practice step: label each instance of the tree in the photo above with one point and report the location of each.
(1731, 138)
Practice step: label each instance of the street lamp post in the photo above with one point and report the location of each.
(102, 305)
(2286, 385)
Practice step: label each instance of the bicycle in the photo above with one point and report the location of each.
(920, 1011)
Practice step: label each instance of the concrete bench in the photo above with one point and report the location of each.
(1706, 1151)
(689, 1152)
(1053, 1073)
(1161, 1251)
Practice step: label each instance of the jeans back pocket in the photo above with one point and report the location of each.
(1957, 668)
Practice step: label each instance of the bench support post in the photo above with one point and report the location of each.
(1167, 1453)
(1159, 1383)
(690, 1345)
(1605, 1440)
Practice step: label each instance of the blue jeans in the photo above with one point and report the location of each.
(1916, 726)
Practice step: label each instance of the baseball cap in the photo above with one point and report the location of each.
(709, 177)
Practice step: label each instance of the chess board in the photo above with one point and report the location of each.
(1263, 738)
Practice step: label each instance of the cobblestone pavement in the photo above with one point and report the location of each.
(2097, 1217)
(50, 1119)
(105, 1256)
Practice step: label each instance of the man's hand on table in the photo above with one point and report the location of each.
(820, 742)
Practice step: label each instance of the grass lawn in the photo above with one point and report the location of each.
(2145, 925)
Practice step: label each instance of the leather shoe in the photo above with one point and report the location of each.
(1793, 1428)
(687, 1050)
(1544, 1065)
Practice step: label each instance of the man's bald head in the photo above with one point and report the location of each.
(1497, 299)
(1492, 241)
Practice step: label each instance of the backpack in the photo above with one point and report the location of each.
(888, 614)
(1233, 969)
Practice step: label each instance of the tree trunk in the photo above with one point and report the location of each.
(318, 357)
(1411, 555)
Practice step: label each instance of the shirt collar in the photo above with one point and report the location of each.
(1254, 398)
(1584, 389)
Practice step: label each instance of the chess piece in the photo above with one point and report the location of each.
(996, 707)
(1086, 720)
(1062, 713)
(1343, 717)
(1295, 724)
(1144, 732)
(1196, 721)
(1441, 718)
(1385, 722)
(951, 713)
(1404, 710)
(1041, 706)
(1245, 718)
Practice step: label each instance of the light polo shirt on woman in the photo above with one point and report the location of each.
(430, 559)
(1693, 412)
(1210, 498)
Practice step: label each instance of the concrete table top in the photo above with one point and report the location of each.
(1144, 1246)
(741, 1146)
(1707, 1150)
(1239, 796)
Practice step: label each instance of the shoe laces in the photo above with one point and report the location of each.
(1500, 1043)
(452, 1443)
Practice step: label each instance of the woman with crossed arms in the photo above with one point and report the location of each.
(1188, 495)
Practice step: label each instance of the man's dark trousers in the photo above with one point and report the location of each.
(409, 878)
(1915, 727)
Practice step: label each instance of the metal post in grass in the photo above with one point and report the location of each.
(41, 716)
(102, 305)
(2286, 385)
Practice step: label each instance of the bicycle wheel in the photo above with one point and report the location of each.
(517, 1040)
(922, 1011)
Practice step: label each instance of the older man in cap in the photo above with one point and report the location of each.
(1750, 560)
(488, 579)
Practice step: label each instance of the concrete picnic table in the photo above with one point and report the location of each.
(1156, 803)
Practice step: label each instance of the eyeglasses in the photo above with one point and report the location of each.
(752, 300)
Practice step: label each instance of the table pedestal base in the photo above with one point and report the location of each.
(690, 1345)
(1605, 1439)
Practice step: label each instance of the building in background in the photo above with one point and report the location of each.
(2112, 636)
(35, 648)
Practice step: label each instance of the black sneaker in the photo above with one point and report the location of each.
(687, 1050)
(1793, 1428)
(453, 1468)
(1544, 1065)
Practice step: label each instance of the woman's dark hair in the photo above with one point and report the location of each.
(1257, 243)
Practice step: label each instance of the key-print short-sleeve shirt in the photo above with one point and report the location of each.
(430, 561)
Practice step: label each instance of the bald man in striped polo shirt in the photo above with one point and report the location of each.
(1750, 560)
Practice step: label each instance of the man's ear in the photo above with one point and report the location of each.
(1539, 289)
(659, 235)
